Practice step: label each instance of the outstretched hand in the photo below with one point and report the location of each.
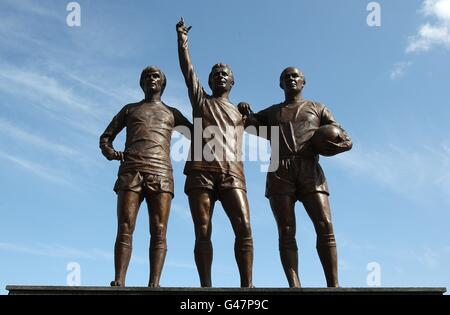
(182, 28)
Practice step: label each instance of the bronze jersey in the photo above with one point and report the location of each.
(149, 128)
(297, 123)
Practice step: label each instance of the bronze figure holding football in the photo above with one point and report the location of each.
(306, 129)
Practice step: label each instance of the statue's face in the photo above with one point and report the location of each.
(292, 80)
(221, 80)
(152, 82)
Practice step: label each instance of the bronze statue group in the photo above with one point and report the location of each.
(306, 129)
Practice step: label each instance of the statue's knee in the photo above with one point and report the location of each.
(244, 230)
(325, 227)
(124, 239)
(244, 239)
(203, 232)
(158, 237)
(287, 232)
(287, 243)
(126, 228)
(203, 239)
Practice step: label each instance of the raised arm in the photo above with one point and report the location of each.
(183, 51)
(195, 89)
(110, 133)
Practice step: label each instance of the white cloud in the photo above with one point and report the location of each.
(438, 8)
(433, 34)
(400, 69)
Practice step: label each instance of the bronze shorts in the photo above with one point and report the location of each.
(296, 176)
(144, 182)
(214, 181)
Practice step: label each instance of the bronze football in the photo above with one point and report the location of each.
(323, 135)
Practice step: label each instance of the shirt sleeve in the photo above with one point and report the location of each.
(255, 121)
(180, 122)
(114, 128)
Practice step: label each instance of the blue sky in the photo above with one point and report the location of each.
(388, 86)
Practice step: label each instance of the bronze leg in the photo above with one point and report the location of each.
(318, 208)
(201, 203)
(158, 209)
(283, 208)
(235, 204)
(128, 203)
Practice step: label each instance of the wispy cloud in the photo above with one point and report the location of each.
(400, 69)
(415, 174)
(12, 35)
(53, 97)
(31, 82)
(432, 258)
(24, 136)
(435, 33)
(429, 257)
(36, 169)
(354, 244)
(97, 87)
(36, 9)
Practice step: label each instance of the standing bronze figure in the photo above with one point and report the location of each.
(145, 171)
(299, 175)
(220, 175)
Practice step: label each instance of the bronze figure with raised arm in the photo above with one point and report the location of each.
(306, 129)
(215, 170)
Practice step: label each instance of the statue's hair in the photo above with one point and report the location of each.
(302, 75)
(153, 68)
